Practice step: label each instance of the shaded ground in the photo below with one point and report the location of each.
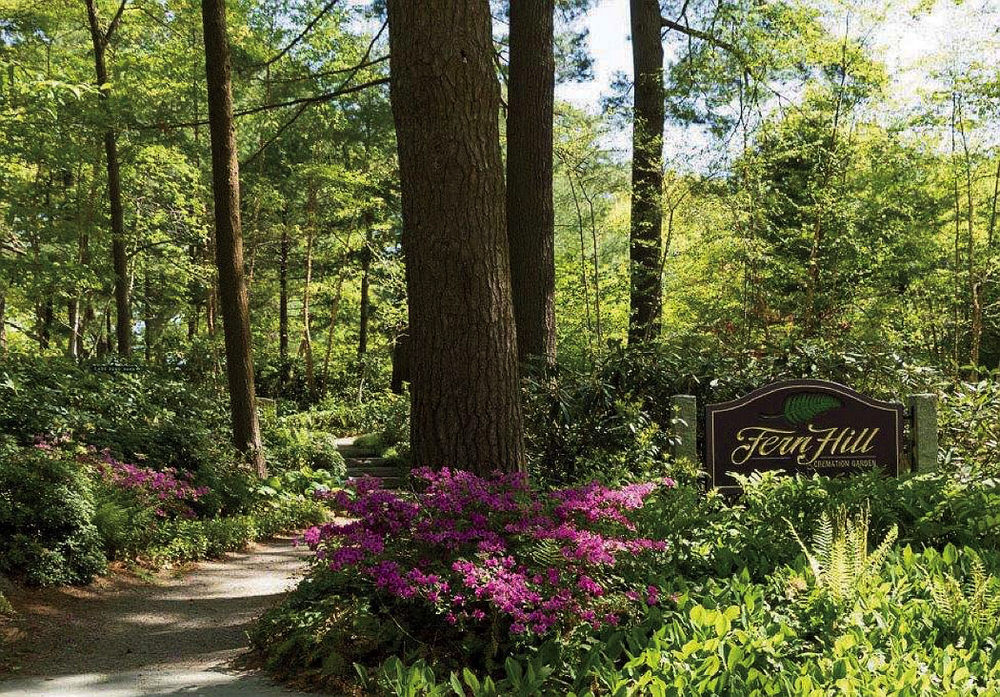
(125, 637)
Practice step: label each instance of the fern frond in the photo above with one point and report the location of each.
(814, 565)
(839, 558)
(877, 558)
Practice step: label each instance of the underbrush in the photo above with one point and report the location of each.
(66, 510)
(162, 485)
(804, 586)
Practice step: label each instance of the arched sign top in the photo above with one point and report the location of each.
(802, 426)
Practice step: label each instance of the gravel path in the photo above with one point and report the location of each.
(124, 637)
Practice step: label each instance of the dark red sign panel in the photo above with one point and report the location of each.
(802, 426)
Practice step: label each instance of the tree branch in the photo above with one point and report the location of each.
(328, 73)
(325, 97)
(281, 129)
(705, 36)
(288, 47)
(115, 21)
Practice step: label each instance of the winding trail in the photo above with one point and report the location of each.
(125, 637)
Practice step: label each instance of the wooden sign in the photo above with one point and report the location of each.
(802, 426)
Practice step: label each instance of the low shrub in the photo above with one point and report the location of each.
(156, 413)
(896, 635)
(293, 448)
(796, 588)
(969, 423)
(182, 540)
(46, 518)
(6, 609)
(472, 565)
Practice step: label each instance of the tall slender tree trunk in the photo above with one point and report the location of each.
(195, 294)
(123, 314)
(148, 333)
(530, 216)
(366, 265)
(46, 315)
(991, 230)
(400, 363)
(466, 408)
(229, 237)
(307, 351)
(647, 172)
(212, 291)
(3, 321)
(334, 311)
(283, 303)
(73, 317)
(957, 298)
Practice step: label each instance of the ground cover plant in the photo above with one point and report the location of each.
(98, 467)
(836, 599)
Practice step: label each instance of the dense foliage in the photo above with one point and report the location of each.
(134, 467)
(793, 590)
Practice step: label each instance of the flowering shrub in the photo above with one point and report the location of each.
(490, 549)
(168, 492)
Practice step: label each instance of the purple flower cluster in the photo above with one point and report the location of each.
(168, 491)
(492, 547)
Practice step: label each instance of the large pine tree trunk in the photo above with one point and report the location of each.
(530, 217)
(647, 172)
(466, 410)
(229, 237)
(123, 317)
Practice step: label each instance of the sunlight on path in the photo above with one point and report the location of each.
(140, 640)
(159, 683)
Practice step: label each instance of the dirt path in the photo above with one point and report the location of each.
(124, 637)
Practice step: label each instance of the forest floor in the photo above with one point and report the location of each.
(176, 633)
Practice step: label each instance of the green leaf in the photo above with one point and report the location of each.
(805, 406)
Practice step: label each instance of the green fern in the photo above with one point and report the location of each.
(973, 605)
(547, 553)
(839, 559)
(805, 406)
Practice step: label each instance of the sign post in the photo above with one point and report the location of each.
(802, 426)
(685, 427)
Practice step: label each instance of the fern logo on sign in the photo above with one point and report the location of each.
(802, 426)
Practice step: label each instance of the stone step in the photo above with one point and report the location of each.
(374, 471)
(354, 451)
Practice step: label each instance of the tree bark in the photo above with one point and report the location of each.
(3, 321)
(647, 172)
(283, 303)
(307, 351)
(123, 314)
(73, 317)
(530, 216)
(334, 311)
(466, 410)
(366, 264)
(400, 363)
(229, 238)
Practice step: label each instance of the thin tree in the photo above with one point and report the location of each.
(445, 100)
(647, 171)
(123, 318)
(530, 216)
(229, 236)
